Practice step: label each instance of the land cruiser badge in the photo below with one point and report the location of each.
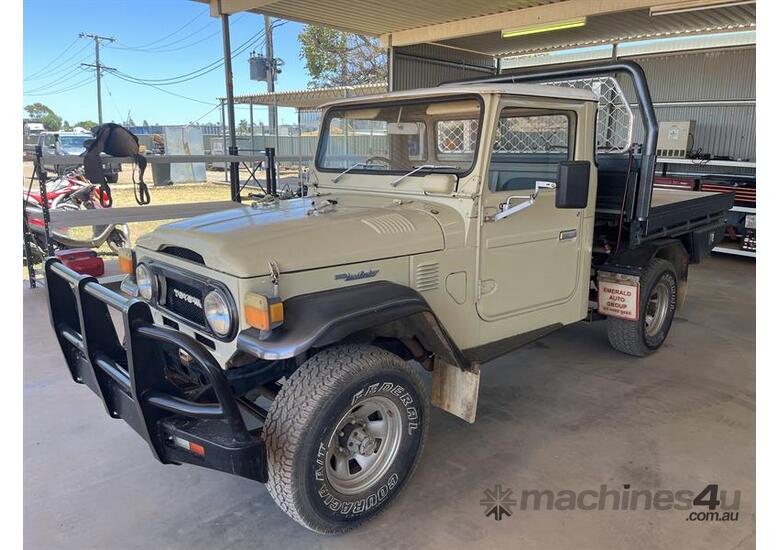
(362, 274)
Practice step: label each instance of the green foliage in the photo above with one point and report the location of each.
(86, 124)
(243, 127)
(335, 58)
(51, 121)
(38, 110)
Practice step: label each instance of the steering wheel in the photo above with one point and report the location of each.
(381, 159)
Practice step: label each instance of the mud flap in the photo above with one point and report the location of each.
(455, 390)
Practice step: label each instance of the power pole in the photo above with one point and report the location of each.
(98, 67)
(271, 72)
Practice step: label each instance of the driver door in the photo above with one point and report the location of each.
(529, 260)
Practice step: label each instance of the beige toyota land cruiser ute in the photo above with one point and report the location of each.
(286, 341)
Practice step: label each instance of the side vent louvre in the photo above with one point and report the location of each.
(427, 276)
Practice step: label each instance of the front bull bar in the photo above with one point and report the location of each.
(130, 378)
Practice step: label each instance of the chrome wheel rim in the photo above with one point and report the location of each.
(657, 309)
(363, 445)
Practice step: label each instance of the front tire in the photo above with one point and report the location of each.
(344, 435)
(658, 303)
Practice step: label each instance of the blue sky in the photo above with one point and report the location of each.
(52, 26)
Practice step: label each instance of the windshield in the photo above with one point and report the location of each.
(73, 142)
(396, 138)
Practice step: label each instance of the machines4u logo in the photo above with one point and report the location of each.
(701, 505)
(498, 502)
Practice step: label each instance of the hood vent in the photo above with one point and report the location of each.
(427, 276)
(389, 224)
(183, 253)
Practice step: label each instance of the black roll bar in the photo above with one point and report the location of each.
(646, 110)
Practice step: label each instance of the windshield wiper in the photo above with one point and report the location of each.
(348, 170)
(423, 167)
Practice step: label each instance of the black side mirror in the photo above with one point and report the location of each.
(573, 184)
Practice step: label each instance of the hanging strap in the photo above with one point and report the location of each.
(140, 189)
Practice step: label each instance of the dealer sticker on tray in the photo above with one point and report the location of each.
(619, 299)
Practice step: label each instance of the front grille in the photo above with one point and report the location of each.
(184, 300)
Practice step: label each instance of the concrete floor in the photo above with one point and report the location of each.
(567, 412)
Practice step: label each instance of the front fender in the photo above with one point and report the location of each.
(323, 318)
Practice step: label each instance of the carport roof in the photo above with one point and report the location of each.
(477, 26)
(310, 98)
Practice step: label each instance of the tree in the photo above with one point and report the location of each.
(243, 127)
(86, 124)
(38, 110)
(66, 125)
(51, 121)
(145, 124)
(336, 58)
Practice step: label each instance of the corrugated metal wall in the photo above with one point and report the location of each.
(426, 65)
(717, 89)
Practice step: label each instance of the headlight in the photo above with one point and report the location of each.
(217, 310)
(146, 281)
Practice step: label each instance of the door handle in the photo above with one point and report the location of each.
(567, 234)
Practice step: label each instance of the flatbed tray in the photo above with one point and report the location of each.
(672, 208)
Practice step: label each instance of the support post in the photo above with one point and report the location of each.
(44, 201)
(300, 153)
(270, 171)
(26, 229)
(98, 68)
(235, 190)
(270, 71)
(224, 135)
(252, 126)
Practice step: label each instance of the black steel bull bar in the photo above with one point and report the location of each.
(129, 377)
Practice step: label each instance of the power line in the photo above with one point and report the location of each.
(207, 113)
(68, 89)
(74, 71)
(119, 76)
(144, 46)
(61, 71)
(113, 102)
(197, 73)
(169, 47)
(35, 76)
(53, 60)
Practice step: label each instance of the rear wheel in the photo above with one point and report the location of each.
(658, 303)
(344, 435)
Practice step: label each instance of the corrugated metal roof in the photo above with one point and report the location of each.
(617, 27)
(378, 17)
(309, 98)
(415, 18)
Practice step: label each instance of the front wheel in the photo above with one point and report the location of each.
(344, 435)
(657, 305)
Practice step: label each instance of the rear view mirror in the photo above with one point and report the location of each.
(573, 184)
(403, 128)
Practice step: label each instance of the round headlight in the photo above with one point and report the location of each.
(146, 281)
(217, 310)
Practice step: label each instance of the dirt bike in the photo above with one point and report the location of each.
(70, 192)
